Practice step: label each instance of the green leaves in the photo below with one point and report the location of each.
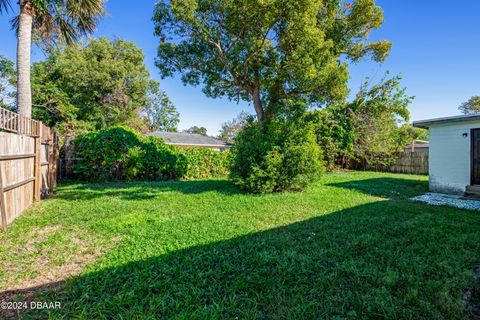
(120, 153)
(231, 129)
(161, 114)
(65, 21)
(472, 106)
(277, 54)
(203, 163)
(7, 82)
(278, 156)
(386, 96)
(197, 130)
(369, 131)
(103, 83)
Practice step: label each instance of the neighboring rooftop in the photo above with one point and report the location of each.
(189, 139)
(427, 123)
(417, 146)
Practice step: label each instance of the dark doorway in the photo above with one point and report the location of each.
(475, 170)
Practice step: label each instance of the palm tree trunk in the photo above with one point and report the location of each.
(24, 94)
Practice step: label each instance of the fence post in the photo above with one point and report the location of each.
(51, 160)
(56, 158)
(3, 210)
(37, 173)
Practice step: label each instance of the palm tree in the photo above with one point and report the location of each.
(49, 21)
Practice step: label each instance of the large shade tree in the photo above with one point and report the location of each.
(280, 55)
(93, 86)
(47, 20)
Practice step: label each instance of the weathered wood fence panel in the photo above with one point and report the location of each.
(16, 171)
(411, 162)
(408, 162)
(28, 164)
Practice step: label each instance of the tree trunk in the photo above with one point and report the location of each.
(69, 156)
(24, 94)
(257, 104)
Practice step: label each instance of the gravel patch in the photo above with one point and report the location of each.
(440, 199)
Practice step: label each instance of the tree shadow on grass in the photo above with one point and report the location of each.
(26, 296)
(144, 190)
(379, 260)
(394, 188)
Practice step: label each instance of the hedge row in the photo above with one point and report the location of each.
(122, 154)
(204, 163)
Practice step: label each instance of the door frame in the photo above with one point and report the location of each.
(472, 154)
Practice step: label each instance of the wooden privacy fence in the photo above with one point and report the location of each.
(411, 162)
(408, 162)
(29, 157)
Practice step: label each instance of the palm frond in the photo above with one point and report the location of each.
(5, 6)
(85, 14)
(44, 27)
(15, 22)
(66, 20)
(67, 32)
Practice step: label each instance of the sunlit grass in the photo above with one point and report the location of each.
(352, 246)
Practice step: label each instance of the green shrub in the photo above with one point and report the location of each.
(335, 132)
(161, 161)
(103, 155)
(280, 156)
(204, 163)
(133, 163)
(122, 154)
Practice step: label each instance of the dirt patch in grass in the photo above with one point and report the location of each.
(44, 260)
(49, 254)
(41, 262)
(471, 297)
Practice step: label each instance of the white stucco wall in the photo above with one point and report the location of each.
(449, 156)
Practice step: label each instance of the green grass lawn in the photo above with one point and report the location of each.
(350, 247)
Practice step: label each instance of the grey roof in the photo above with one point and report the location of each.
(428, 123)
(189, 139)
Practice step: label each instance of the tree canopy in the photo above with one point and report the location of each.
(471, 106)
(65, 21)
(280, 55)
(369, 130)
(47, 22)
(161, 114)
(232, 128)
(93, 86)
(197, 130)
(7, 82)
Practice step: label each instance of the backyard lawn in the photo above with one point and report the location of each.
(350, 247)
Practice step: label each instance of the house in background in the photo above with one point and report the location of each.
(454, 154)
(419, 146)
(184, 139)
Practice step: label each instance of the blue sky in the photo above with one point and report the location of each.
(436, 47)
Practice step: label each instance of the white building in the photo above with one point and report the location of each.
(454, 153)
